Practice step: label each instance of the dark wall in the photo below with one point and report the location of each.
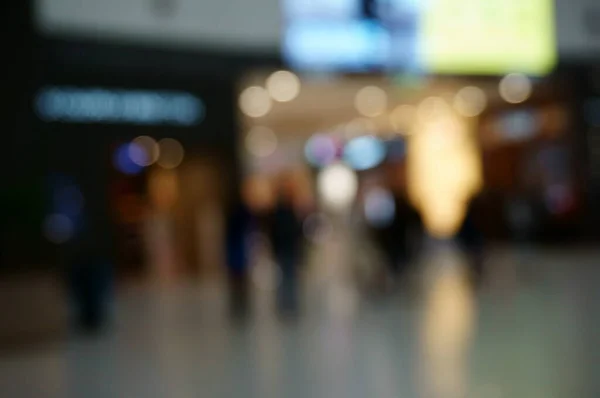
(33, 149)
(20, 204)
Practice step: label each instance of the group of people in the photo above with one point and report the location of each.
(398, 240)
(283, 225)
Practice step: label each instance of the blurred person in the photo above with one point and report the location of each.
(90, 279)
(88, 251)
(286, 236)
(90, 273)
(396, 237)
(471, 239)
(238, 231)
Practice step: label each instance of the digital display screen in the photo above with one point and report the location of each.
(436, 36)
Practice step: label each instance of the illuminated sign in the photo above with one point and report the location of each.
(488, 36)
(435, 36)
(97, 105)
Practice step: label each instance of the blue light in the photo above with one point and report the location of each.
(320, 150)
(123, 162)
(364, 153)
(96, 105)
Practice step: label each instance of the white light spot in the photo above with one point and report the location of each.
(515, 88)
(337, 185)
(371, 101)
(470, 101)
(283, 86)
(255, 101)
(150, 151)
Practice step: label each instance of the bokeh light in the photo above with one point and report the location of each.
(145, 151)
(163, 188)
(122, 159)
(470, 101)
(432, 108)
(58, 228)
(515, 88)
(255, 101)
(371, 101)
(403, 117)
(444, 172)
(364, 153)
(171, 153)
(283, 86)
(337, 185)
(320, 150)
(261, 141)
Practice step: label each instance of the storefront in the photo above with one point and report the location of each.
(514, 138)
(141, 156)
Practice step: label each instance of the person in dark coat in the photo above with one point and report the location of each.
(287, 241)
(239, 226)
(395, 237)
(90, 276)
(471, 240)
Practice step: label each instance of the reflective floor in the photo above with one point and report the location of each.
(530, 331)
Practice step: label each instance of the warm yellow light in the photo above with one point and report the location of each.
(403, 117)
(470, 101)
(515, 88)
(431, 108)
(371, 101)
(150, 148)
(171, 153)
(163, 188)
(444, 170)
(255, 101)
(283, 86)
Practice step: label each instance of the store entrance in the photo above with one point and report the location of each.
(169, 219)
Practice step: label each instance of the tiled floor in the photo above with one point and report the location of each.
(531, 332)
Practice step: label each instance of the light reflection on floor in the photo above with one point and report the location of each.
(535, 337)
